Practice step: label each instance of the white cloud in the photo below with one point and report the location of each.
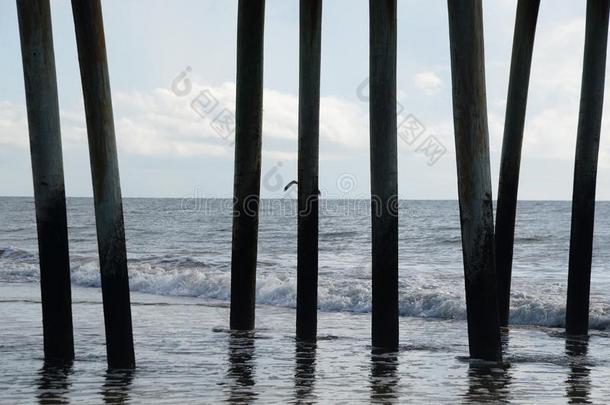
(428, 82)
(13, 125)
(163, 124)
(551, 133)
(557, 60)
(343, 123)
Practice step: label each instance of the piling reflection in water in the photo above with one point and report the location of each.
(384, 377)
(240, 372)
(578, 384)
(54, 384)
(504, 339)
(117, 386)
(305, 372)
(488, 382)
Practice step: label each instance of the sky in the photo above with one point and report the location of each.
(172, 71)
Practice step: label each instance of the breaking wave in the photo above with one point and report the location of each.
(192, 277)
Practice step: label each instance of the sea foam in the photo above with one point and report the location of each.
(190, 277)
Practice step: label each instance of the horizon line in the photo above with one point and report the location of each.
(281, 198)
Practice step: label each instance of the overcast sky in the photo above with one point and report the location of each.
(172, 141)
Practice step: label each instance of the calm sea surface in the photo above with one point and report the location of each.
(179, 263)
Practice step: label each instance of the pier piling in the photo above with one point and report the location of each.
(585, 167)
(47, 168)
(384, 174)
(248, 143)
(309, 133)
(95, 80)
(474, 178)
(514, 122)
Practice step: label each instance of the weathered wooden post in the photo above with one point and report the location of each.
(514, 122)
(248, 138)
(309, 128)
(585, 167)
(47, 168)
(474, 178)
(106, 184)
(384, 173)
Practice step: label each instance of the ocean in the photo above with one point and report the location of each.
(179, 267)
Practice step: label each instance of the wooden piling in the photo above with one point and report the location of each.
(248, 138)
(47, 168)
(309, 129)
(585, 167)
(384, 174)
(474, 179)
(106, 183)
(514, 123)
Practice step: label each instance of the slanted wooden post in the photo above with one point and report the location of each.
(474, 179)
(384, 173)
(47, 168)
(106, 184)
(585, 167)
(309, 129)
(248, 138)
(514, 122)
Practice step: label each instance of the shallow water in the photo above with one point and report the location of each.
(182, 248)
(179, 255)
(185, 354)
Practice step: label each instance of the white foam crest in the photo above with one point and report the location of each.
(419, 297)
